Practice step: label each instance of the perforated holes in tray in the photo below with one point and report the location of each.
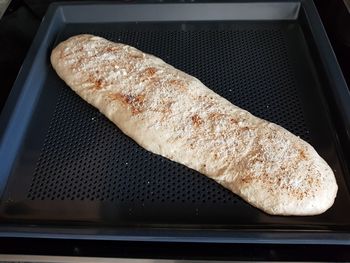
(85, 157)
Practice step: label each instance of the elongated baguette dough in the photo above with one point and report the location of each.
(173, 114)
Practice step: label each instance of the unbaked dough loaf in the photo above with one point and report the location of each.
(173, 114)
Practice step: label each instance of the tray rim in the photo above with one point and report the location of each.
(179, 235)
(15, 107)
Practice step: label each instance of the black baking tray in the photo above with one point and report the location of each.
(67, 172)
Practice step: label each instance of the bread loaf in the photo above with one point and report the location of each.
(173, 114)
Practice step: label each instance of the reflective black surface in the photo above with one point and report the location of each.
(76, 167)
(175, 251)
(157, 204)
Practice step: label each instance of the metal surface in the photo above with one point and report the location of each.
(185, 12)
(3, 6)
(65, 165)
(58, 259)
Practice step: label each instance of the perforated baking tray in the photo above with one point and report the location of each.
(67, 171)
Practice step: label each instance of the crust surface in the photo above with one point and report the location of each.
(173, 114)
